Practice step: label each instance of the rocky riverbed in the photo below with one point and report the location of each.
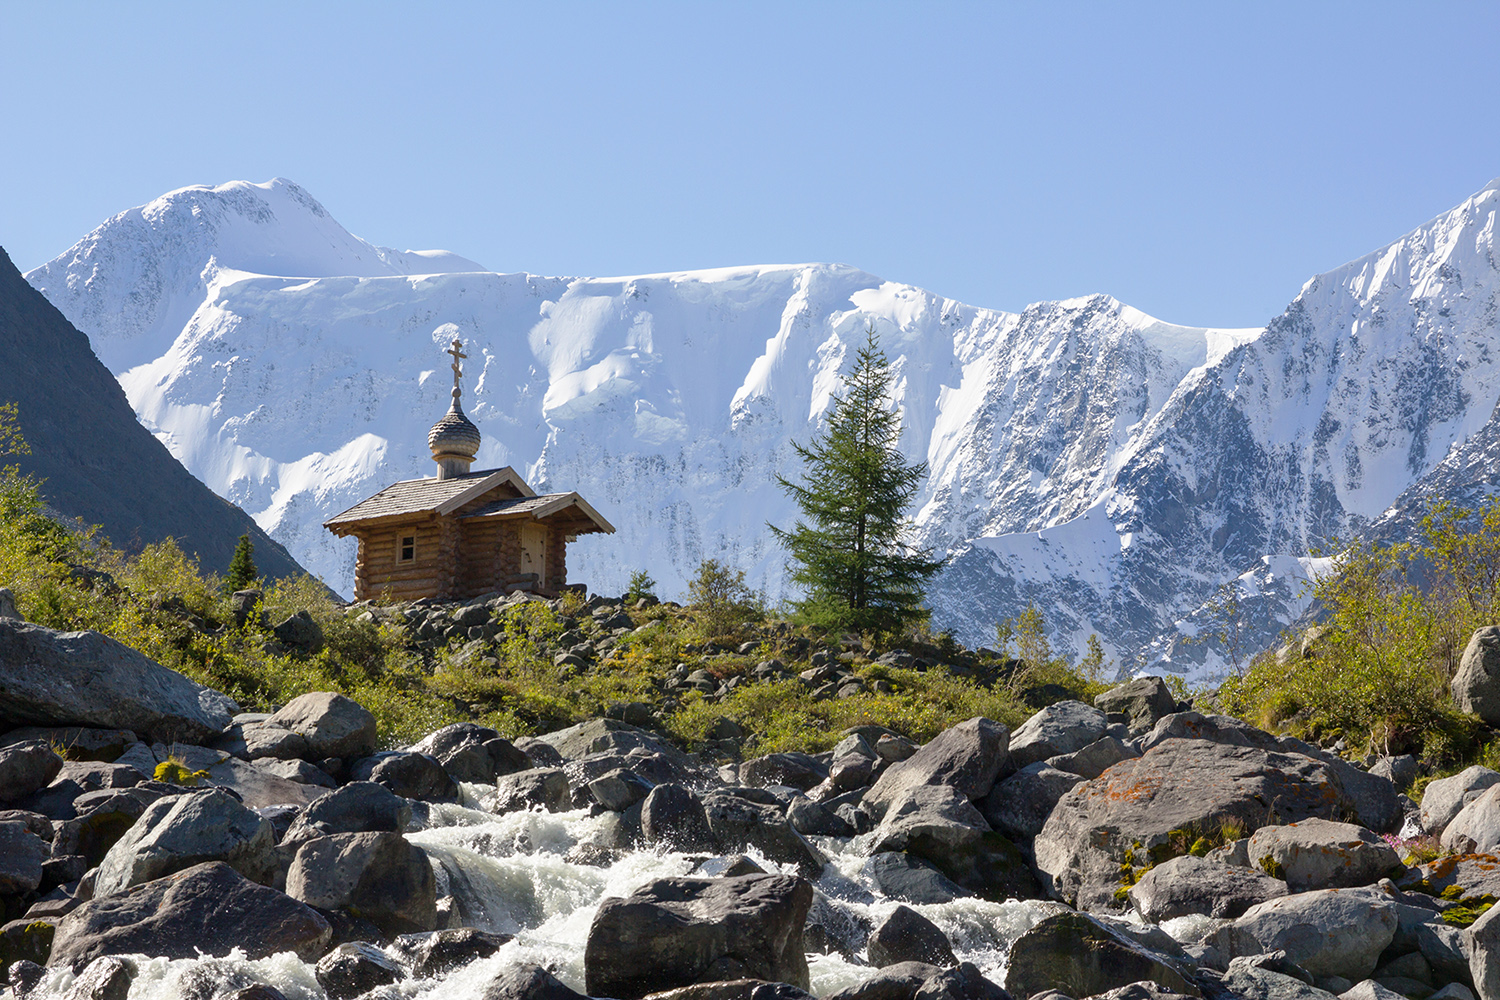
(157, 843)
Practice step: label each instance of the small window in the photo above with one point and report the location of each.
(408, 548)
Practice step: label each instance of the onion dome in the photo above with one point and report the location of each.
(454, 439)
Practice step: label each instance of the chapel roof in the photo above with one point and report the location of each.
(420, 496)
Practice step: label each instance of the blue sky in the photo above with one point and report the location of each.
(1198, 160)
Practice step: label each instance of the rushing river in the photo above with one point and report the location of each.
(512, 874)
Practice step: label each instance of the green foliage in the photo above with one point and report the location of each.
(723, 601)
(641, 585)
(175, 772)
(1397, 619)
(1024, 637)
(242, 571)
(849, 549)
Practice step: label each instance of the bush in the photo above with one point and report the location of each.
(723, 601)
(1377, 671)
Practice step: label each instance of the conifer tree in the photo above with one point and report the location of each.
(848, 550)
(242, 571)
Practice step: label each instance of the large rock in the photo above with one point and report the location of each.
(50, 678)
(528, 982)
(1187, 885)
(474, 753)
(1373, 800)
(26, 767)
(907, 936)
(1320, 854)
(902, 877)
(599, 735)
(1144, 701)
(21, 856)
(1483, 942)
(333, 725)
(1253, 979)
(186, 830)
(538, 788)
(261, 789)
(795, 770)
(1328, 932)
(893, 982)
(356, 967)
(1476, 828)
(968, 757)
(377, 876)
(1179, 785)
(1445, 798)
(1019, 806)
(437, 952)
(1057, 729)
(962, 982)
(1476, 686)
(936, 823)
(738, 821)
(1096, 758)
(1474, 874)
(1080, 957)
(679, 931)
(410, 775)
(358, 807)
(673, 817)
(209, 908)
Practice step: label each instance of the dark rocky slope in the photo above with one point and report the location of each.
(98, 463)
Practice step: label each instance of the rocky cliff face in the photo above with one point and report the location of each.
(97, 463)
(1111, 467)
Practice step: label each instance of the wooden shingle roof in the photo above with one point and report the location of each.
(540, 507)
(420, 496)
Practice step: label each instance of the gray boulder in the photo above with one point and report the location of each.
(1145, 701)
(26, 767)
(1058, 729)
(1019, 806)
(937, 823)
(437, 952)
(539, 788)
(8, 605)
(528, 982)
(1445, 798)
(474, 753)
(378, 876)
(275, 742)
(1252, 980)
(1178, 784)
(1476, 828)
(907, 936)
(354, 968)
(1371, 989)
(333, 725)
(968, 757)
(1373, 800)
(358, 807)
(21, 856)
(1187, 885)
(208, 908)
(182, 831)
(679, 931)
(1321, 854)
(410, 775)
(901, 876)
(893, 982)
(673, 817)
(1476, 685)
(1328, 932)
(1482, 941)
(619, 789)
(795, 770)
(51, 678)
(260, 789)
(300, 633)
(599, 735)
(1400, 771)
(962, 982)
(1473, 874)
(738, 822)
(1080, 957)
(1096, 758)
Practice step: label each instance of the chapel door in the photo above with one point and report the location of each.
(534, 551)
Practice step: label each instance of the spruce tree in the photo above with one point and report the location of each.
(242, 571)
(848, 550)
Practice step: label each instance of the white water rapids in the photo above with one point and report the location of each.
(508, 874)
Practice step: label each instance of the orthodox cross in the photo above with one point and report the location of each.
(457, 350)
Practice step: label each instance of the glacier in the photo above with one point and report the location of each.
(1117, 470)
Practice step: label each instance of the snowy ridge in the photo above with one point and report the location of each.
(1112, 467)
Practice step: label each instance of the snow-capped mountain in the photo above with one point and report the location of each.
(1113, 468)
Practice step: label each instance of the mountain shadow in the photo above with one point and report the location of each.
(97, 463)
